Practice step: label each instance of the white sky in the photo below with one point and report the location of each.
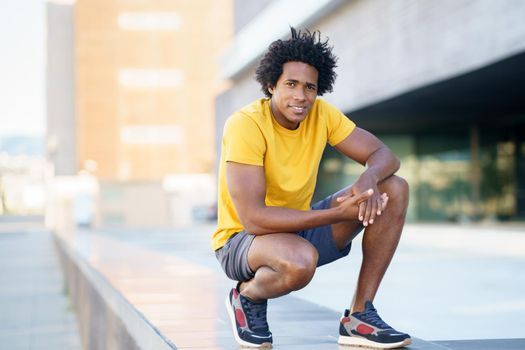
(22, 67)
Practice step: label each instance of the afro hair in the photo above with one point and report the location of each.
(305, 47)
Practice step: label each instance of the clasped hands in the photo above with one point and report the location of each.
(370, 204)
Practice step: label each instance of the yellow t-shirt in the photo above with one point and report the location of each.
(290, 157)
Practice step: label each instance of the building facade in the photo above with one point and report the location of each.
(440, 82)
(132, 84)
(60, 88)
(131, 99)
(146, 84)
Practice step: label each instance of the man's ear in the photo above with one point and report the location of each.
(270, 90)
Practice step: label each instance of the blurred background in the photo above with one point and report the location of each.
(112, 111)
(120, 126)
(111, 116)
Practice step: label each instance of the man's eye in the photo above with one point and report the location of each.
(311, 87)
(290, 83)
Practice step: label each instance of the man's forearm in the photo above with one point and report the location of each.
(382, 164)
(266, 219)
(279, 219)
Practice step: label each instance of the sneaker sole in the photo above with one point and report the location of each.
(363, 342)
(241, 342)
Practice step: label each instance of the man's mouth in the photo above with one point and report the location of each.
(299, 109)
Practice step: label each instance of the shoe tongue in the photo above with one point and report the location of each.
(369, 306)
(260, 302)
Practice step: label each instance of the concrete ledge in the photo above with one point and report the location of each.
(106, 319)
(483, 344)
(155, 290)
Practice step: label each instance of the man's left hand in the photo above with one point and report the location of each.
(373, 206)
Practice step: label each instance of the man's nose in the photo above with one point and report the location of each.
(300, 94)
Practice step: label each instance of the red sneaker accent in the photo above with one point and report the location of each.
(239, 316)
(345, 320)
(364, 329)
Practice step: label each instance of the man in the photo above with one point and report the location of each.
(268, 237)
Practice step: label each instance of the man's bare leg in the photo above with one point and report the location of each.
(380, 239)
(283, 262)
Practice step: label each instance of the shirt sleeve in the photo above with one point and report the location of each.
(243, 141)
(338, 124)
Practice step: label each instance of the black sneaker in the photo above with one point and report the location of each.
(368, 329)
(248, 318)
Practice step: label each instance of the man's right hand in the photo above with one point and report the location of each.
(349, 204)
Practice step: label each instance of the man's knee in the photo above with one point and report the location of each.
(300, 269)
(397, 189)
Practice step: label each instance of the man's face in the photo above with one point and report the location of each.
(294, 94)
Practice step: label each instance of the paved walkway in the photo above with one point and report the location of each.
(34, 310)
(444, 283)
(447, 280)
(183, 294)
(172, 278)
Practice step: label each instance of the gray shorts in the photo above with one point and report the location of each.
(233, 256)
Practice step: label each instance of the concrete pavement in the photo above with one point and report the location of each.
(34, 308)
(444, 284)
(182, 294)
